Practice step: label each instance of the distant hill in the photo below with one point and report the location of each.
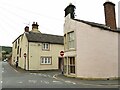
(6, 48)
(7, 53)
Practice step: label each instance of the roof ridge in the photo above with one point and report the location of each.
(46, 34)
(103, 26)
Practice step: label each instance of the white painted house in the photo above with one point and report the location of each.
(37, 51)
(91, 49)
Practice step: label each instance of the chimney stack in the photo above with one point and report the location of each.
(35, 27)
(110, 17)
(26, 29)
(70, 10)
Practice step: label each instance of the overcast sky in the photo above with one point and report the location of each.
(16, 14)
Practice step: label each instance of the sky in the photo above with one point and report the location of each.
(16, 14)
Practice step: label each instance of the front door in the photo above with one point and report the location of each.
(60, 63)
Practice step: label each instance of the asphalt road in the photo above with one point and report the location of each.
(11, 78)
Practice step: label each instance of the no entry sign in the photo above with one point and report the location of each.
(62, 53)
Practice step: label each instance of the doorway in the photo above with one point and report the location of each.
(60, 63)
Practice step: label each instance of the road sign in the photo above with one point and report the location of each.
(62, 53)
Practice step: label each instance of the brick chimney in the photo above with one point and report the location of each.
(70, 9)
(26, 29)
(35, 27)
(110, 17)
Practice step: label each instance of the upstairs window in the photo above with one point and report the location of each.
(18, 50)
(18, 40)
(45, 46)
(65, 43)
(15, 44)
(71, 40)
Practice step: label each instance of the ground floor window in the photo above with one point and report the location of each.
(71, 65)
(65, 65)
(46, 60)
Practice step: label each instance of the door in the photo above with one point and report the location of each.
(60, 63)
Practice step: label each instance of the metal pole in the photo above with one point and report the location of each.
(25, 63)
(62, 65)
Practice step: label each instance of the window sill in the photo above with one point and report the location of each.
(45, 50)
(45, 64)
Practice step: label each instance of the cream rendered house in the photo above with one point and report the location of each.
(37, 51)
(91, 49)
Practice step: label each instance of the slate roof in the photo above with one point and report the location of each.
(44, 38)
(104, 27)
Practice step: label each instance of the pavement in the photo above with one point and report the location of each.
(59, 76)
(89, 82)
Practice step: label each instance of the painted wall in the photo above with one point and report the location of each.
(14, 54)
(23, 44)
(24, 49)
(97, 52)
(35, 53)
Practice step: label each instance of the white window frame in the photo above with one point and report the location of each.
(71, 40)
(45, 46)
(46, 60)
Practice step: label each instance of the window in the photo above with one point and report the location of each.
(15, 44)
(20, 52)
(45, 46)
(71, 64)
(46, 60)
(71, 40)
(18, 40)
(65, 43)
(65, 65)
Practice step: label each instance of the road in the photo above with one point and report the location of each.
(11, 78)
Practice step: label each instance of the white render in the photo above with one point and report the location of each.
(96, 50)
(34, 53)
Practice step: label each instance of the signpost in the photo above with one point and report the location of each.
(62, 54)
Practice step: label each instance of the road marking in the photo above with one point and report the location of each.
(41, 81)
(20, 82)
(56, 81)
(74, 83)
(70, 82)
(49, 76)
(59, 82)
(1, 81)
(46, 82)
(44, 75)
(54, 76)
(32, 81)
(33, 73)
(39, 74)
(2, 70)
(16, 70)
